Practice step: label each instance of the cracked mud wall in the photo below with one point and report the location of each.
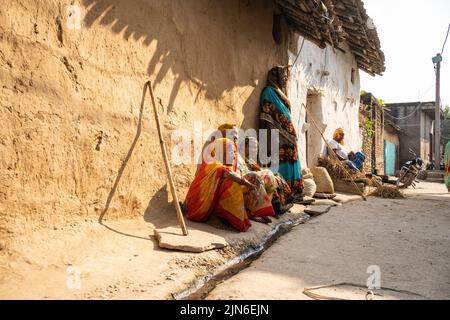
(71, 141)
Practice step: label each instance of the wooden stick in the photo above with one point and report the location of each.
(166, 161)
(332, 152)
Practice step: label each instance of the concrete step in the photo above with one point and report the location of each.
(435, 174)
(438, 180)
(435, 171)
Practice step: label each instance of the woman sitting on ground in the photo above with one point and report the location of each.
(353, 160)
(218, 188)
(267, 201)
(276, 187)
(258, 201)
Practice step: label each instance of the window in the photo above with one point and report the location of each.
(352, 75)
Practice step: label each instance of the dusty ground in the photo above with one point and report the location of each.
(408, 239)
(123, 260)
(120, 261)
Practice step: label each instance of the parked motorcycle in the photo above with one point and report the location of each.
(410, 171)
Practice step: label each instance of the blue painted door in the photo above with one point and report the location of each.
(389, 158)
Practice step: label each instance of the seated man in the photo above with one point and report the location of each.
(354, 161)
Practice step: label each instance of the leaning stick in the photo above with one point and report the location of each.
(334, 155)
(166, 161)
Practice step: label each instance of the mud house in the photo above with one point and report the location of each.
(76, 141)
(335, 39)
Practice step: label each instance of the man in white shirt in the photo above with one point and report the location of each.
(353, 160)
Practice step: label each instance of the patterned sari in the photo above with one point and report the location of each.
(259, 202)
(275, 114)
(274, 183)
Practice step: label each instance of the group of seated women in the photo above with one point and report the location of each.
(235, 187)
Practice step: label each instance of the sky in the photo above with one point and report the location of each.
(411, 32)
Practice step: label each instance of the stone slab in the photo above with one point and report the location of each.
(196, 241)
(326, 202)
(316, 210)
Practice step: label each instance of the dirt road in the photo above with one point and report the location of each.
(409, 240)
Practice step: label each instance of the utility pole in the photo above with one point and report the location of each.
(437, 115)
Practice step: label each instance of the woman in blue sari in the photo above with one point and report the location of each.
(276, 114)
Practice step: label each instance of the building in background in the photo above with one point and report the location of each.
(416, 122)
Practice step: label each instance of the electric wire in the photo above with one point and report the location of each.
(445, 41)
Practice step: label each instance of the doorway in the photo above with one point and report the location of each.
(314, 143)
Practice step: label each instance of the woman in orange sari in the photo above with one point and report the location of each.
(258, 201)
(218, 189)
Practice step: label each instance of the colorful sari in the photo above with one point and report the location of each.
(259, 201)
(447, 165)
(274, 183)
(275, 114)
(211, 193)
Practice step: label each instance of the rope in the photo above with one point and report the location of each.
(445, 41)
(405, 117)
(301, 47)
(415, 110)
(369, 293)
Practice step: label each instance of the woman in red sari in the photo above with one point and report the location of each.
(218, 189)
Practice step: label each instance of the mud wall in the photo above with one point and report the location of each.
(74, 141)
(325, 75)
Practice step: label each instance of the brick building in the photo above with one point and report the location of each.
(371, 123)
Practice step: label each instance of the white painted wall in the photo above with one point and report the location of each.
(339, 99)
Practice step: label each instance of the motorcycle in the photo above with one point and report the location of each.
(409, 172)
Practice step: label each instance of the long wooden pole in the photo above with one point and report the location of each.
(166, 161)
(334, 155)
(437, 118)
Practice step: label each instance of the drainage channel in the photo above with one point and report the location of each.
(201, 287)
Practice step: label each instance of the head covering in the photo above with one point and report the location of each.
(338, 132)
(274, 77)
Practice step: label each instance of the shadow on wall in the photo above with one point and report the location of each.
(216, 45)
(122, 169)
(191, 39)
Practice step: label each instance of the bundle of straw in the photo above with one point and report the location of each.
(336, 171)
(387, 191)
